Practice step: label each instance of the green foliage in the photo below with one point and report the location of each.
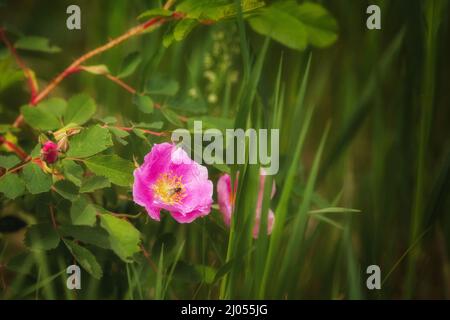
(232, 72)
(66, 189)
(43, 116)
(144, 103)
(42, 236)
(118, 170)
(124, 239)
(85, 258)
(130, 64)
(34, 43)
(296, 26)
(82, 212)
(156, 12)
(80, 109)
(89, 142)
(35, 179)
(11, 185)
(93, 183)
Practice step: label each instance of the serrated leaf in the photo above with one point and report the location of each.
(119, 135)
(80, 109)
(123, 236)
(12, 186)
(156, 12)
(183, 28)
(86, 234)
(35, 179)
(66, 189)
(118, 170)
(130, 64)
(72, 171)
(89, 142)
(42, 237)
(93, 183)
(295, 25)
(35, 43)
(144, 103)
(83, 212)
(40, 118)
(85, 258)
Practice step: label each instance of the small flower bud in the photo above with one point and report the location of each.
(49, 152)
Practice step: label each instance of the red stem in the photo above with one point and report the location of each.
(14, 148)
(28, 74)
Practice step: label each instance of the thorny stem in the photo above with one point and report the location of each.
(27, 72)
(128, 129)
(36, 97)
(132, 90)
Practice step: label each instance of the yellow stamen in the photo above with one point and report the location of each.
(169, 188)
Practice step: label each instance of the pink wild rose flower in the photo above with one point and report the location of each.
(226, 200)
(170, 180)
(49, 152)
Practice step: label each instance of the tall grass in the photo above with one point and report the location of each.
(363, 125)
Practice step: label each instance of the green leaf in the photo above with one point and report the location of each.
(130, 64)
(83, 212)
(42, 237)
(216, 9)
(162, 85)
(168, 39)
(9, 161)
(86, 234)
(72, 171)
(171, 116)
(156, 12)
(144, 103)
(123, 236)
(119, 171)
(89, 142)
(152, 125)
(93, 183)
(85, 258)
(183, 28)
(119, 135)
(11, 185)
(109, 120)
(295, 25)
(40, 118)
(34, 43)
(35, 179)
(80, 109)
(66, 189)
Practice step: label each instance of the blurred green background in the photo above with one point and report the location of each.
(385, 93)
